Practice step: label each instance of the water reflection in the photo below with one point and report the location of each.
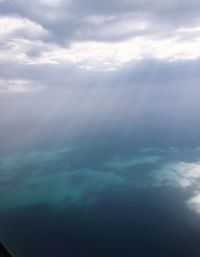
(52, 177)
(107, 203)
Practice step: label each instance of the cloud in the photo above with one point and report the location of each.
(12, 26)
(74, 42)
(85, 20)
(151, 72)
(19, 86)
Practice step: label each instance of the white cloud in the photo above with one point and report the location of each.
(188, 29)
(181, 174)
(22, 41)
(19, 86)
(194, 203)
(98, 55)
(101, 55)
(18, 25)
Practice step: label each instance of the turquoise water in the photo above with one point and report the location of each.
(82, 201)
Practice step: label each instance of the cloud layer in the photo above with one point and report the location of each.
(100, 35)
(99, 59)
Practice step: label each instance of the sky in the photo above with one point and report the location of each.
(91, 59)
(43, 41)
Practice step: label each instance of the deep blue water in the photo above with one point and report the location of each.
(102, 197)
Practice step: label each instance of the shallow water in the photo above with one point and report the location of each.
(101, 201)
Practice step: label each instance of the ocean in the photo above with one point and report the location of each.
(102, 194)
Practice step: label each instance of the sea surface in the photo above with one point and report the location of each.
(105, 173)
(102, 195)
